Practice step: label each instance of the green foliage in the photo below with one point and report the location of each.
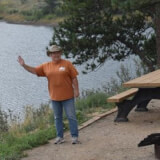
(124, 74)
(150, 48)
(32, 15)
(136, 4)
(2, 8)
(50, 6)
(50, 16)
(13, 11)
(19, 136)
(91, 99)
(81, 116)
(79, 33)
(12, 146)
(23, 1)
(37, 118)
(36, 129)
(3, 121)
(93, 33)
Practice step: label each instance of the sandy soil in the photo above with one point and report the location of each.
(106, 140)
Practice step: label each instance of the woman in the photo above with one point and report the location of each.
(62, 86)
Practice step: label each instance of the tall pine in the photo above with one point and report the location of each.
(152, 9)
(96, 30)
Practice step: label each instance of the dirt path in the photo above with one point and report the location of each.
(106, 140)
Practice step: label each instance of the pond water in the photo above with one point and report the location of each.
(19, 88)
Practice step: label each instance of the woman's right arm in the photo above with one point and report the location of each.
(26, 67)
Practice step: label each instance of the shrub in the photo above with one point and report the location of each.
(13, 11)
(3, 121)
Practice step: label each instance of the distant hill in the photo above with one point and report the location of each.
(20, 4)
(27, 11)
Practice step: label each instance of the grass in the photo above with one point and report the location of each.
(38, 125)
(12, 145)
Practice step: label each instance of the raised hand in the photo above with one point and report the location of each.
(21, 61)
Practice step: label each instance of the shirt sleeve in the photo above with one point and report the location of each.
(72, 70)
(40, 71)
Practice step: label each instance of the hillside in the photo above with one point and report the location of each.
(28, 11)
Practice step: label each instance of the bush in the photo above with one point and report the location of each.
(124, 74)
(13, 11)
(32, 14)
(2, 8)
(91, 99)
(26, 13)
(37, 118)
(3, 121)
(81, 117)
(50, 16)
(23, 1)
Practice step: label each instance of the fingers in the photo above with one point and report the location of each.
(20, 60)
(19, 57)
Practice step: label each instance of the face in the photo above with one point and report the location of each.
(55, 56)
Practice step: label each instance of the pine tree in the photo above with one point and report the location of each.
(96, 30)
(152, 9)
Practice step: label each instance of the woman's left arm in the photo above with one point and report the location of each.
(76, 87)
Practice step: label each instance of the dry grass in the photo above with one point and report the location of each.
(15, 11)
(14, 18)
(16, 4)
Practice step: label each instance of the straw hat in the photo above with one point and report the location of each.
(52, 49)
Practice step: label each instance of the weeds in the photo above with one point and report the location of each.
(3, 121)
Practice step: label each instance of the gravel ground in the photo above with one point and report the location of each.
(106, 140)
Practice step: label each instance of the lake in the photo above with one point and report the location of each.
(19, 88)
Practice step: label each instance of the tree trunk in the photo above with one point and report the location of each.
(157, 25)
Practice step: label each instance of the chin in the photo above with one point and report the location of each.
(56, 60)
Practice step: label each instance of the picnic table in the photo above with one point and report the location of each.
(143, 90)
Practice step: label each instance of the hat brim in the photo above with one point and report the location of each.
(52, 52)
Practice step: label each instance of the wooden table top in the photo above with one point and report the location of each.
(149, 80)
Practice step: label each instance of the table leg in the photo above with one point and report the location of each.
(141, 98)
(142, 107)
(123, 109)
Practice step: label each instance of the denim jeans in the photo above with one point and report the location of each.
(69, 108)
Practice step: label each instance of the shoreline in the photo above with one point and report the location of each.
(33, 23)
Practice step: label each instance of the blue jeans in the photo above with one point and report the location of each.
(69, 108)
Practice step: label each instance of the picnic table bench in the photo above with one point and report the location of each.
(143, 90)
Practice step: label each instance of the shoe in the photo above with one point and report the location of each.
(75, 140)
(59, 140)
